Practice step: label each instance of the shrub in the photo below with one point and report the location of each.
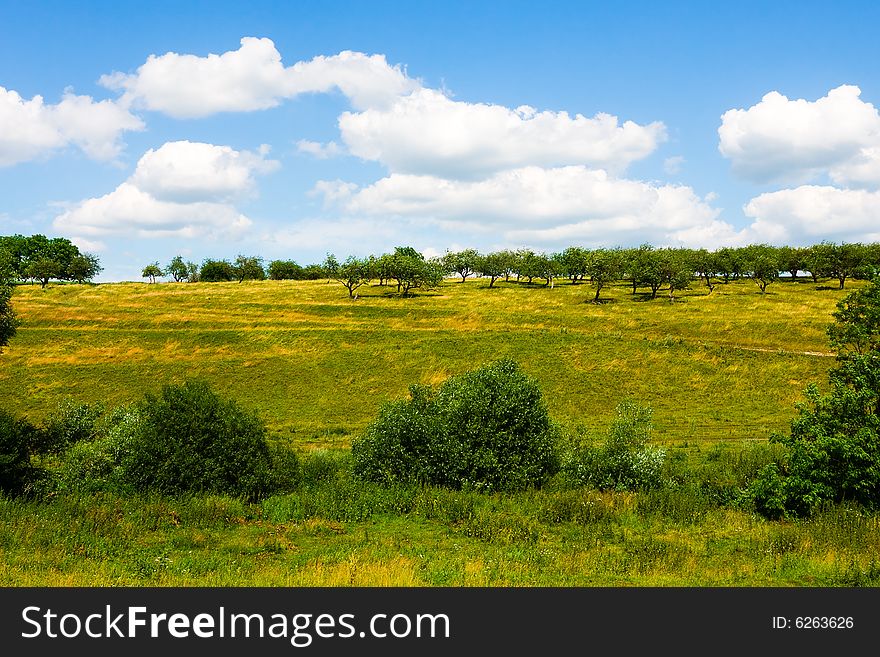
(16, 471)
(624, 461)
(72, 423)
(483, 430)
(189, 440)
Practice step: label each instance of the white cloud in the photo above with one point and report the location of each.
(798, 140)
(319, 150)
(556, 207)
(184, 171)
(810, 213)
(428, 133)
(254, 78)
(30, 129)
(182, 189)
(85, 244)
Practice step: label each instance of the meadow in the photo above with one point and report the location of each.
(720, 370)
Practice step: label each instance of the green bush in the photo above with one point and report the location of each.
(16, 472)
(189, 440)
(483, 430)
(624, 461)
(70, 424)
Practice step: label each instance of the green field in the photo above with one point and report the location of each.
(720, 371)
(316, 366)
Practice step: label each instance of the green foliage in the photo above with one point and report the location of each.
(71, 423)
(464, 263)
(249, 268)
(493, 266)
(483, 430)
(177, 269)
(8, 320)
(16, 471)
(151, 271)
(284, 270)
(624, 461)
(213, 271)
(83, 267)
(353, 273)
(190, 440)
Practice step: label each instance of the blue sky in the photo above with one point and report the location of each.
(355, 127)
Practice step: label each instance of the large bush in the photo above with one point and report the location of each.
(190, 440)
(483, 430)
(16, 438)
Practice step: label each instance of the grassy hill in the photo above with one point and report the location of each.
(316, 365)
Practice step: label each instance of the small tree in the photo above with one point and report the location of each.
(331, 266)
(410, 269)
(152, 271)
(16, 471)
(283, 270)
(605, 266)
(464, 263)
(248, 268)
(44, 269)
(493, 266)
(215, 271)
(84, 267)
(177, 269)
(763, 264)
(353, 273)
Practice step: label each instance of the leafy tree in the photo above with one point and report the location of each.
(644, 269)
(192, 273)
(215, 271)
(675, 270)
(605, 266)
(353, 273)
(730, 263)
(791, 260)
(464, 263)
(575, 263)
(249, 268)
(44, 269)
(283, 270)
(492, 266)
(705, 265)
(331, 266)
(840, 261)
(763, 264)
(528, 265)
(484, 430)
(410, 269)
(84, 267)
(177, 269)
(151, 271)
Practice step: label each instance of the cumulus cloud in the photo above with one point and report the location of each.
(184, 172)
(556, 206)
(182, 189)
(798, 140)
(254, 78)
(428, 133)
(30, 129)
(809, 213)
